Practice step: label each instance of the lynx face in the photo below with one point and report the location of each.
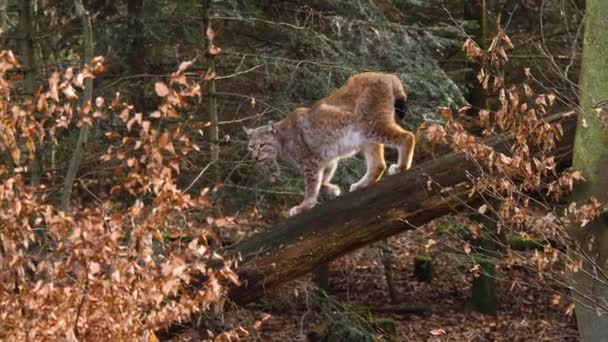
(262, 142)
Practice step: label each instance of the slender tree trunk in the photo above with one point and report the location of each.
(137, 51)
(475, 11)
(591, 157)
(87, 97)
(3, 17)
(27, 46)
(321, 277)
(213, 118)
(386, 256)
(28, 57)
(484, 298)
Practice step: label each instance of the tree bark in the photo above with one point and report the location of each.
(591, 157)
(386, 256)
(28, 57)
(87, 97)
(398, 203)
(483, 291)
(213, 118)
(4, 21)
(27, 46)
(475, 11)
(137, 51)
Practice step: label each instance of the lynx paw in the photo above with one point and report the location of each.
(394, 169)
(331, 189)
(300, 208)
(294, 211)
(355, 186)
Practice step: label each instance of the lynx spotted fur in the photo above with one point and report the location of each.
(358, 117)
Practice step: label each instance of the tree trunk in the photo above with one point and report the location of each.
(87, 97)
(321, 277)
(213, 118)
(398, 203)
(3, 20)
(475, 11)
(386, 256)
(137, 52)
(29, 67)
(591, 158)
(423, 268)
(483, 292)
(27, 46)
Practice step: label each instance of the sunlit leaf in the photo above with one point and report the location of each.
(161, 89)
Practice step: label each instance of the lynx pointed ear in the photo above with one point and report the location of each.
(271, 127)
(247, 130)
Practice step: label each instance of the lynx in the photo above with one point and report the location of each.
(358, 117)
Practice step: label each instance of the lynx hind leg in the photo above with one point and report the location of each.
(374, 160)
(313, 174)
(328, 174)
(404, 141)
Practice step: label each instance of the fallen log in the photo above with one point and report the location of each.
(397, 203)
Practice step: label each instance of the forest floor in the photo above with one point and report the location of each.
(529, 308)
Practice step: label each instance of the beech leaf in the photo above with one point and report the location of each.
(161, 89)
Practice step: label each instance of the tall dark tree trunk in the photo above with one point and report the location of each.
(137, 51)
(591, 157)
(29, 66)
(86, 98)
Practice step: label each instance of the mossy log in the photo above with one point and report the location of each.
(300, 244)
(519, 243)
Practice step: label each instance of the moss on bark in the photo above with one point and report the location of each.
(591, 157)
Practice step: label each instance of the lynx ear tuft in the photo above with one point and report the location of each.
(271, 127)
(247, 130)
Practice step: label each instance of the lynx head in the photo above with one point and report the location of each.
(262, 142)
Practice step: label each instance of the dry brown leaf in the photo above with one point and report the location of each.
(210, 33)
(437, 332)
(16, 155)
(214, 50)
(430, 243)
(163, 140)
(569, 310)
(471, 49)
(475, 230)
(183, 66)
(161, 89)
(446, 113)
(467, 248)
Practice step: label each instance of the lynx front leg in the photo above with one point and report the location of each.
(326, 185)
(374, 160)
(312, 185)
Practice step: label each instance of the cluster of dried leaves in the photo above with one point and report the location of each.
(523, 187)
(130, 264)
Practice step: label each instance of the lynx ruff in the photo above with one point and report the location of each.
(358, 117)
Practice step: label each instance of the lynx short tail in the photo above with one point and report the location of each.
(401, 108)
(400, 98)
